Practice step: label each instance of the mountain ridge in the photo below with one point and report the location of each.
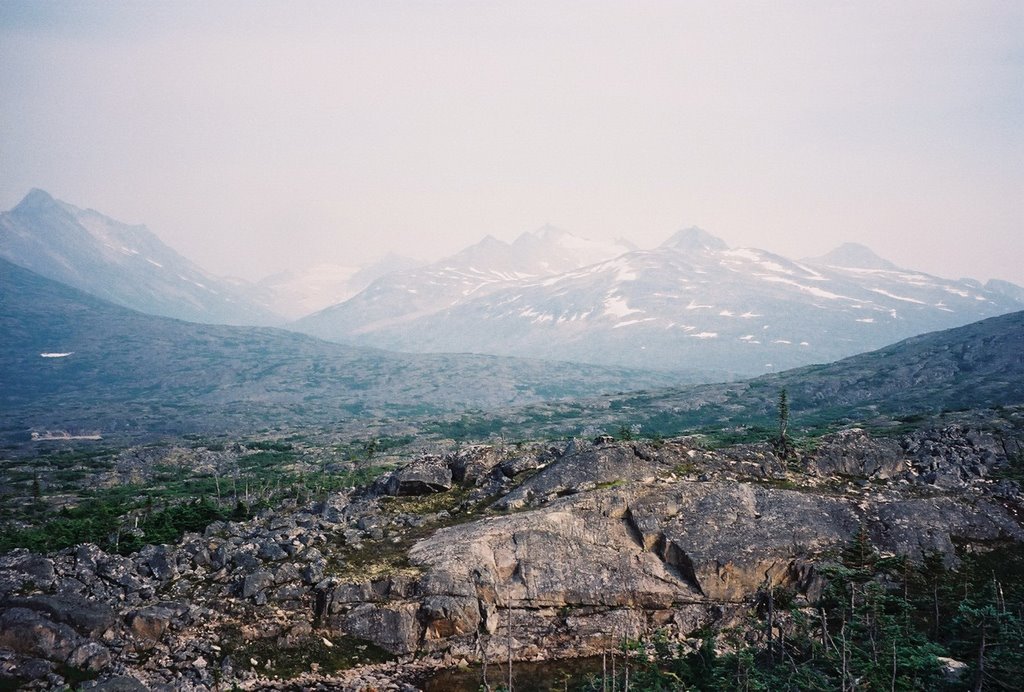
(126, 264)
(692, 302)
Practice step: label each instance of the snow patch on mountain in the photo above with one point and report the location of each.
(616, 306)
(812, 290)
(896, 297)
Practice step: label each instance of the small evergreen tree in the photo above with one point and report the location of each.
(782, 443)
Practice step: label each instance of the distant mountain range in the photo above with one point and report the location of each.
(692, 303)
(73, 362)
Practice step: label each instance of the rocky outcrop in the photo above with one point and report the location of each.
(854, 453)
(548, 551)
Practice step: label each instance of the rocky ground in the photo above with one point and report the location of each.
(549, 551)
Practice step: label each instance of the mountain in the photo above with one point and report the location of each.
(71, 361)
(124, 264)
(406, 298)
(691, 303)
(295, 294)
(853, 256)
(1005, 288)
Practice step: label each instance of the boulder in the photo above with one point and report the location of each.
(585, 470)
(423, 477)
(32, 633)
(37, 569)
(90, 655)
(86, 616)
(394, 627)
(257, 582)
(471, 464)
(150, 623)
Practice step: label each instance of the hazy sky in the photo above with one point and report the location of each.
(254, 136)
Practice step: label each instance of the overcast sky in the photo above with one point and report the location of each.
(253, 137)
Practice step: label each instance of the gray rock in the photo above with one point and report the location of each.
(854, 453)
(151, 622)
(160, 562)
(422, 477)
(38, 569)
(471, 464)
(392, 626)
(256, 582)
(91, 656)
(448, 616)
(30, 632)
(272, 552)
(584, 470)
(87, 617)
(120, 683)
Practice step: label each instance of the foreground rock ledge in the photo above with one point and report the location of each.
(554, 552)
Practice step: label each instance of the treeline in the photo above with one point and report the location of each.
(881, 623)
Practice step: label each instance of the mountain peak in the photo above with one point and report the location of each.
(545, 234)
(854, 256)
(694, 238)
(489, 241)
(36, 199)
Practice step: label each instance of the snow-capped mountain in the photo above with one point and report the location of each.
(693, 303)
(405, 297)
(124, 264)
(295, 294)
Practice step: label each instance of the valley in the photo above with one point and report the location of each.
(189, 505)
(511, 346)
(326, 557)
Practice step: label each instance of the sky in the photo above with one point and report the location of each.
(255, 137)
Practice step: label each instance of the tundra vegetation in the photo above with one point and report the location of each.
(345, 539)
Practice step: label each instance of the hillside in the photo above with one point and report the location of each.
(70, 361)
(979, 365)
(485, 555)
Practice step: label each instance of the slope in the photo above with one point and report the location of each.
(71, 361)
(980, 365)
